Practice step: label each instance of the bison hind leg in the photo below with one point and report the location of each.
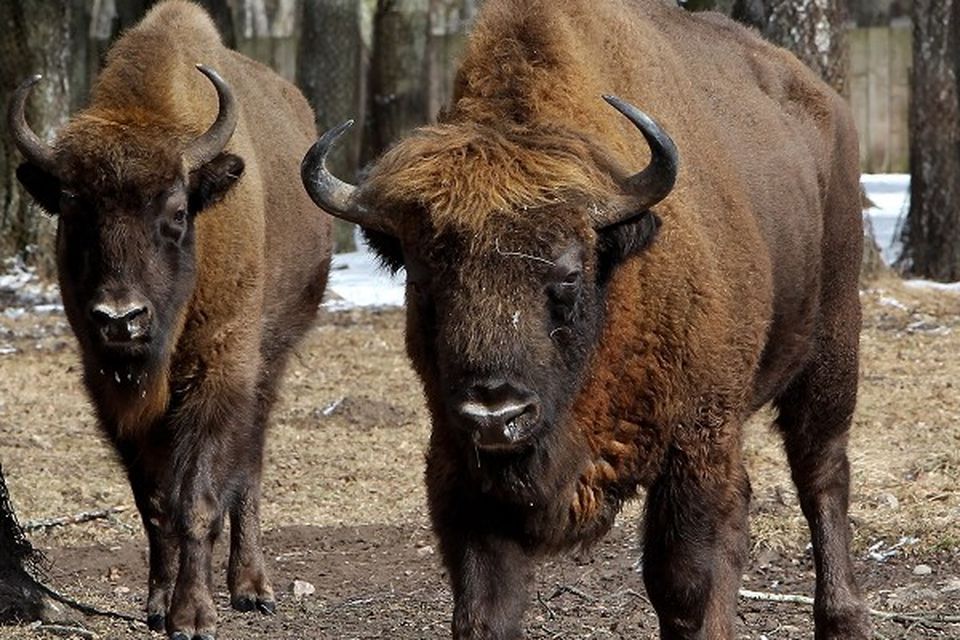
(815, 413)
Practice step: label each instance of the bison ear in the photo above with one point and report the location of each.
(42, 186)
(210, 182)
(620, 240)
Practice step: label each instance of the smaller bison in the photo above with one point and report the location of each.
(583, 329)
(190, 261)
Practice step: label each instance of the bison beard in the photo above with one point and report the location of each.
(190, 262)
(543, 289)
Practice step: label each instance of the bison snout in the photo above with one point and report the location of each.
(499, 415)
(122, 320)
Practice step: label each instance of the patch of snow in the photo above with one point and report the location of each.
(358, 280)
(878, 553)
(890, 193)
(893, 302)
(929, 284)
(22, 290)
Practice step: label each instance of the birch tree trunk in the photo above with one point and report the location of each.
(816, 32)
(398, 95)
(38, 38)
(931, 233)
(266, 30)
(449, 21)
(330, 73)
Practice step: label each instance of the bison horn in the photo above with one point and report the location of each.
(332, 194)
(654, 183)
(35, 150)
(210, 144)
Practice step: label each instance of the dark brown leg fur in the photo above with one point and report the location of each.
(246, 574)
(192, 611)
(163, 552)
(815, 416)
(489, 577)
(695, 547)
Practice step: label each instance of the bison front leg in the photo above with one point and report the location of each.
(163, 550)
(695, 545)
(192, 613)
(489, 577)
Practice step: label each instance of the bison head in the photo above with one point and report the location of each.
(508, 238)
(126, 188)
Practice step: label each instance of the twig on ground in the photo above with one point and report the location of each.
(925, 619)
(87, 609)
(64, 630)
(562, 588)
(86, 516)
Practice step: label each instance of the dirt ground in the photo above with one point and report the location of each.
(344, 506)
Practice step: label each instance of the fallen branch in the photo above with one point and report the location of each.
(87, 609)
(86, 516)
(925, 619)
(64, 630)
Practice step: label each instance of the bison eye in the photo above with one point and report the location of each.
(68, 199)
(180, 217)
(572, 279)
(564, 292)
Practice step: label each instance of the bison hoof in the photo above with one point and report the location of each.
(156, 621)
(179, 635)
(249, 603)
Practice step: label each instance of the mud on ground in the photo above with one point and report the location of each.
(344, 504)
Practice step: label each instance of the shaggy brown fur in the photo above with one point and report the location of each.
(637, 365)
(232, 267)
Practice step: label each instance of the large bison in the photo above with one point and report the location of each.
(582, 330)
(190, 261)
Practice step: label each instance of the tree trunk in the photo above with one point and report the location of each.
(931, 232)
(21, 598)
(330, 74)
(449, 20)
(265, 30)
(815, 31)
(398, 89)
(38, 38)
(222, 16)
(723, 6)
(750, 12)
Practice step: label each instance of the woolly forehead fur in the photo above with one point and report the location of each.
(145, 108)
(115, 160)
(467, 177)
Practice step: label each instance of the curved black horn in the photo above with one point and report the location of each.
(214, 140)
(329, 192)
(654, 183)
(35, 150)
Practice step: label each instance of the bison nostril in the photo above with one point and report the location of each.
(507, 420)
(121, 322)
